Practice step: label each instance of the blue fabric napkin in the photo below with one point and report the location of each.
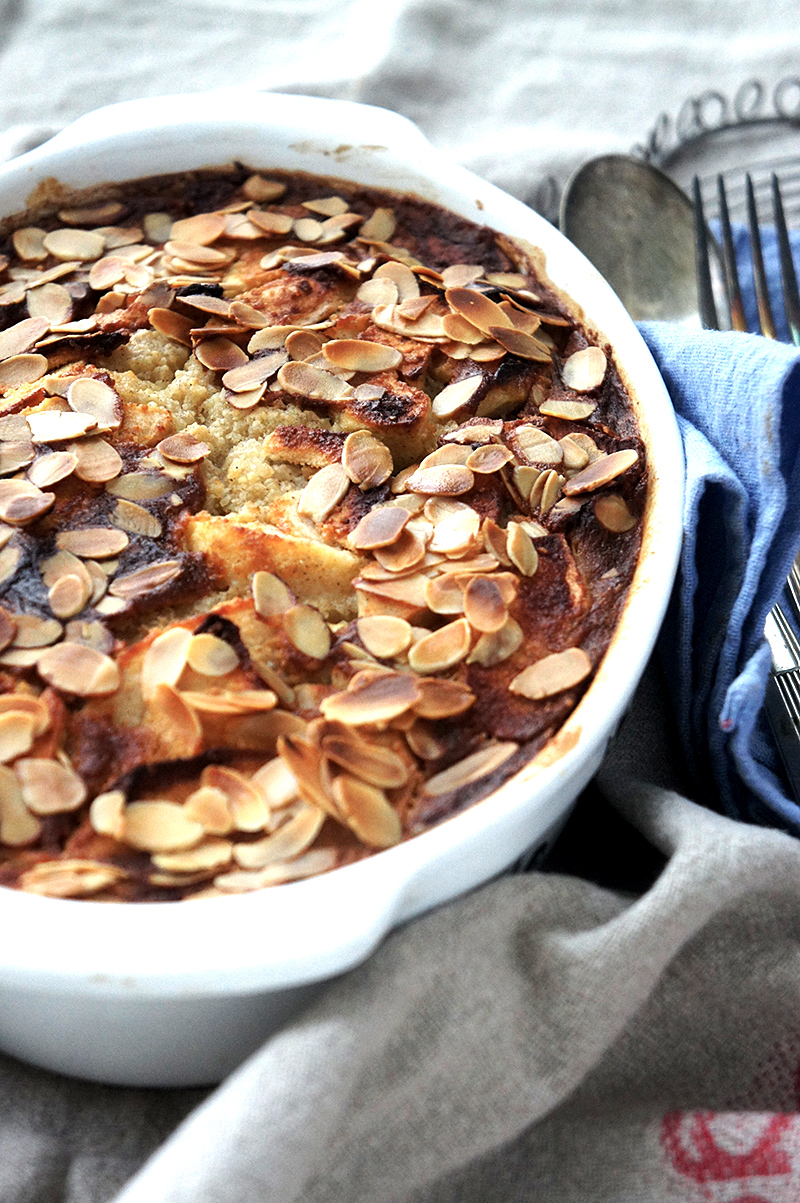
(737, 397)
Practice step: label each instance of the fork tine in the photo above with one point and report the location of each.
(791, 301)
(708, 308)
(738, 320)
(759, 275)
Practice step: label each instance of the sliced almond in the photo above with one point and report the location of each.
(601, 472)
(91, 632)
(16, 734)
(303, 344)
(491, 457)
(92, 542)
(367, 812)
(270, 595)
(145, 580)
(192, 254)
(76, 669)
(49, 787)
(220, 354)
(68, 596)
(254, 372)
(376, 700)
(10, 558)
(485, 607)
(201, 229)
(552, 674)
(521, 550)
(88, 395)
(360, 355)
(441, 649)
(584, 370)
(18, 826)
(305, 380)
(49, 469)
(367, 462)
(211, 656)
(613, 513)
(257, 188)
(550, 488)
(160, 826)
(271, 223)
(22, 503)
(107, 272)
(455, 530)
(307, 630)
(536, 446)
(106, 813)
(59, 426)
(379, 290)
(323, 492)
(472, 768)
(208, 806)
(276, 782)
(22, 369)
(288, 841)
(168, 711)
(476, 308)
(246, 803)
(496, 646)
(406, 551)
(380, 226)
(73, 878)
(210, 854)
(454, 397)
(243, 701)
(519, 343)
(379, 527)
(32, 631)
(141, 486)
(172, 325)
(51, 302)
(65, 244)
(310, 864)
(14, 456)
(8, 628)
(570, 411)
(384, 636)
(442, 699)
(98, 462)
(29, 243)
(19, 338)
(576, 457)
(129, 516)
(446, 480)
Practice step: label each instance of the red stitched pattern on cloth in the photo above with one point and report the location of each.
(733, 1148)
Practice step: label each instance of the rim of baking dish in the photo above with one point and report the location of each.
(308, 930)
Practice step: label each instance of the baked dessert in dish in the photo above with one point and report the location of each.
(319, 509)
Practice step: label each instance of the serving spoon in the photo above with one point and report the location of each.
(637, 227)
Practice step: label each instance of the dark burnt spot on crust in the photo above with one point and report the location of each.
(401, 405)
(306, 444)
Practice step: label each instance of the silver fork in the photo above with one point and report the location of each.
(782, 700)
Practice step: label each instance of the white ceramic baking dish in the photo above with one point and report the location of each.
(179, 993)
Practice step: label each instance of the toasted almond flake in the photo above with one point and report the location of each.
(552, 674)
(442, 699)
(76, 669)
(489, 458)
(461, 331)
(307, 229)
(18, 826)
(107, 272)
(446, 480)
(384, 636)
(379, 527)
(247, 315)
(90, 632)
(403, 279)
(276, 782)
(307, 630)
(328, 206)
(167, 710)
(193, 255)
(303, 344)
(271, 338)
(584, 370)
(201, 229)
(19, 338)
(536, 446)
(243, 701)
(476, 308)
(455, 530)
(92, 542)
(318, 860)
(12, 294)
(129, 516)
(68, 596)
(182, 448)
(271, 223)
(157, 227)
(487, 353)
(171, 325)
(448, 453)
(92, 215)
(496, 646)
(520, 549)
(288, 841)
(379, 227)
(323, 492)
(8, 628)
(361, 355)
(10, 558)
(71, 878)
(254, 372)
(98, 462)
(210, 854)
(141, 486)
(258, 188)
(366, 461)
(519, 343)
(22, 369)
(63, 563)
(49, 469)
(211, 656)
(443, 595)
(14, 456)
(570, 411)
(59, 426)
(406, 551)
(49, 787)
(160, 826)
(35, 632)
(305, 380)
(220, 354)
(246, 803)
(238, 226)
(423, 743)
(601, 472)
(304, 761)
(495, 541)
(29, 243)
(576, 457)
(19, 657)
(377, 700)
(208, 806)
(484, 604)
(550, 489)
(67, 244)
(441, 649)
(454, 397)
(22, 503)
(270, 595)
(110, 301)
(409, 590)
(380, 290)
(165, 660)
(472, 768)
(17, 733)
(145, 580)
(15, 429)
(367, 812)
(613, 513)
(460, 275)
